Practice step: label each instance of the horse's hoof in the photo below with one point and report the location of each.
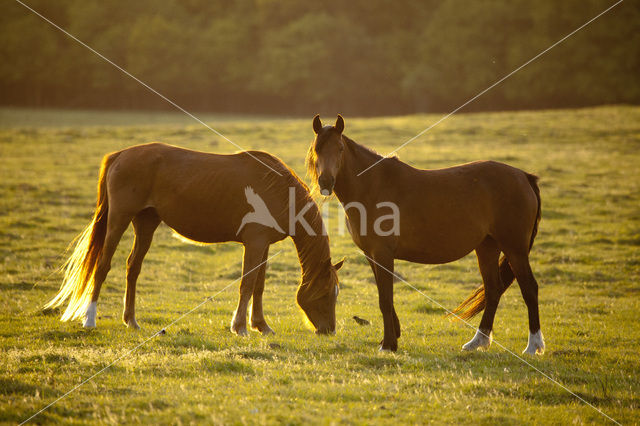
(240, 331)
(132, 324)
(481, 341)
(267, 331)
(387, 348)
(89, 324)
(263, 328)
(535, 345)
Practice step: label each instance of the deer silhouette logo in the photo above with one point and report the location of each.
(260, 213)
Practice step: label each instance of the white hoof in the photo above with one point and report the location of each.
(90, 315)
(535, 345)
(482, 340)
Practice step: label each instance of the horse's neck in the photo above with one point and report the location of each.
(313, 249)
(356, 159)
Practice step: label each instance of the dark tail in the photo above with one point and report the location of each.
(79, 269)
(533, 181)
(474, 304)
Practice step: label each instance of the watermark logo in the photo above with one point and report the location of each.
(383, 221)
(260, 213)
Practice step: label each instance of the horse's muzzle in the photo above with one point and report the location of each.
(326, 184)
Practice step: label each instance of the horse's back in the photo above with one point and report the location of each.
(479, 182)
(198, 194)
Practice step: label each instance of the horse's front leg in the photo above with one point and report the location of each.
(396, 321)
(383, 272)
(253, 255)
(257, 315)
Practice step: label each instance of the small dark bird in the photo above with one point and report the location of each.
(361, 321)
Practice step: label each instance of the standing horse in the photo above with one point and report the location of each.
(202, 197)
(444, 214)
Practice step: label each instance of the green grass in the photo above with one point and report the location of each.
(586, 259)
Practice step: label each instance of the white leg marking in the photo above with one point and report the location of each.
(482, 340)
(90, 315)
(535, 345)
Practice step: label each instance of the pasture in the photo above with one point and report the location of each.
(586, 258)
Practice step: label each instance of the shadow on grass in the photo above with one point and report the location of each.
(179, 344)
(11, 387)
(57, 335)
(255, 355)
(48, 358)
(378, 362)
(226, 366)
(429, 308)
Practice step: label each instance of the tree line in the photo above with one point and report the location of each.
(293, 57)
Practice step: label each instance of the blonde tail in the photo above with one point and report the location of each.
(77, 284)
(79, 269)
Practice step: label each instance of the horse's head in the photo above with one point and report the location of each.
(325, 154)
(318, 297)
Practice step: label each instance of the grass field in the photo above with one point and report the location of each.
(586, 258)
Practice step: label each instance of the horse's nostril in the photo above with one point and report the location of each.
(326, 181)
(326, 184)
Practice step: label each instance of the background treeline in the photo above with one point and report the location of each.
(295, 57)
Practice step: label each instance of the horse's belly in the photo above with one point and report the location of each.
(204, 235)
(430, 257)
(438, 246)
(197, 224)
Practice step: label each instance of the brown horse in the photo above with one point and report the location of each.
(442, 214)
(203, 197)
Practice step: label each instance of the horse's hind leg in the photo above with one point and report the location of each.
(488, 254)
(253, 255)
(257, 315)
(529, 288)
(116, 225)
(144, 224)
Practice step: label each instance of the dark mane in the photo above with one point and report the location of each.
(313, 250)
(362, 150)
(275, 164)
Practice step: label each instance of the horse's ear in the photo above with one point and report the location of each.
(339, 264)
(317, 124)
(339, 124)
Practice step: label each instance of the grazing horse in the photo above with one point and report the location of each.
(443, 214)
(203, 197)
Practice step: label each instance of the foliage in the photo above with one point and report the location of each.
(358, 57)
